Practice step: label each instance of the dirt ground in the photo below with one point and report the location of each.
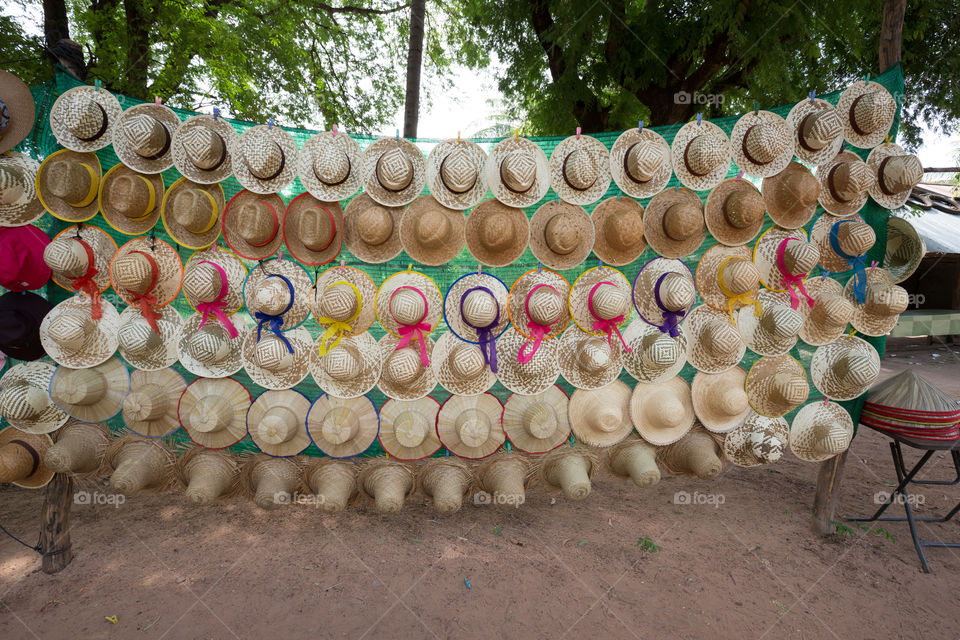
(742, 561)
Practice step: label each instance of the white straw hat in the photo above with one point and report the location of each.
(475, 310)
(203, 149)
(214, 412)
(758, 440)
(588, 361)
(343, 428)
(775, 330)
(845, 368)
(143, 137)
(409, 304)
(817, 130)
(851, 236)
(831, 312)
(727, 279)
(277, 422)
(79, 259)
(94, 394)
(655, 356)
(394, 171)
(640, 162)
(264, 159)
(343, 304)
(580, 169)
(518, 172)
(213, 282)
(777, 385)
(74, 339)
(151, 409)
(537, 423)
(898, 172)
(601, 301)
(845, 183)
(530, 376)
(348, 370)
(277, 294)
(700, 155)
(209, 351)
(882, 304)
(662, 413)
(601, 417)
(405, 374)
(328, 166)
(460, 366)
(663, 293)
(867, 111)
(720, 399)
(25, 401)
(762, 143)
(820, 431)
(83, 118)
(784, 258)
(146, 273)
(408, 428)
(455, 173)
(537, 306)
(144, 348)
(471, 426)
(713, 343)
(277, 360)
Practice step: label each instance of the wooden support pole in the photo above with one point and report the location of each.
(828, 486)
(55, 525)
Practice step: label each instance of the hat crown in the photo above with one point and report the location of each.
(458, 172)
(562, 233)
(540, 420)
(209, 345)
(410, 428)
(23, 401)
(272, 296)
(850, 180)
(677, 292)
(580, 169)
(901, 173)
(82, 387)
(138, 338)
(781, 322)
(518, 170)
(133, 272)
(394, 169)
(765, 446)
(873, 111)
(764, 142)
(211, 414)
(624, 229)
(67, 257)
(497, 231)
(408, 307)
(271, 354)
(331, 165)
(193, 208)
(821, 128)
(664, 411)
(146, 403)
(682, 220)
(546, 306)
(261, 153)
(659, 351)
(204, 147)
(339, 302)
(886, 299)
(607, 418)
(732, 401)
(744, 208)
(146, 135)
(403, 366)
(833, 310)
(257, 223)
(375, 225)
(14, 188)
(466, 361)
(72, 329)
(643, 160)
(610, 302)
(480, 309)
(740, 276)
(202, 282)
(855, 369)
(800, 257)
(317, 228)
(131, 194)
(343, 363)
(790, 387)
(794, 188)
(829, 435)
(721, 339)
(432, 229)
(278, 425)
(473, 426)
(340, 425)
(80, 115)
(68, 180)
(704, 153)
(856, 237)
(595, 355)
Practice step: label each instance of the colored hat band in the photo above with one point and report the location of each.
(539, 331)
(671, 319)
(34, 455)
(276, 225)
(485, 338)
(746, 151)
(216, 307)
(151, 200)
(92, 192)
(881, 179)
(86, 284)
(409, 332)
(857, 263)
(145, 301)
(275, 322)
(791, 281)
(214, 211)
(104, 123)
(338, 328)
(733, 299)
(4, 115)
(610, 326)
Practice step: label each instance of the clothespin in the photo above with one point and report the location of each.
(699, 119)
(516, 135)
(410, 267)
(572, 441)
(825, 275)
(216, 113)
(156, 101)
(387, 455)
(578, 133)
(852, 331)
(886, 142)
(280, 256)
(826, 400)
(458, 136)
(599, 264)
(539, 267)
(343, 264)
(270, 124)
(873, 265)
(739, 174)
(813, 96)
(509, 450)
(96, 85)
(397, 135)
(479, 269)
(640, 127)
(866, 79)
(756, 108)
(334, 129)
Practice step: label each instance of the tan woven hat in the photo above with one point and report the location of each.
(387, 484)
(79, 449)
(636, 459)
(203, 149)
(348, 370)
(762, 143)
(70, 261)
(343, 428)
(213, 411)
(208, 475)
(209, 351)
(537, 306)
(408, 428)
(131, 201)
(655, 355)
(734, 212)
(827, 319)
(460, 366)
(784, 258)
(271, 482)
(756, 441)
(431, 233)
(713, 343)
(673, 224)
(663, 293)
(569, 469)
(394, 171)
(845, 183)
(727, 279)
(700, 155)
(371, 230)
(471, 426)
(537, 423)
(845, 368)
(820, 431)
(817, 130)
(328, 166)
(580, 169)
(82, 119)
(561, 234)
(25, 401)
(497, 234)
(898, 172)
(94, 394)
(251, 224)
(601, 417)
(588, 361)
(720, 399)
(19, 204)
(883, 302)
(313, 230)
(790, 196)
(139, 465)
(68, 183)
(146, 273)
(867, 111)
(697, 454)
(409, 304)
(277, 360)
(405, 375)
(277, 422)
(21, 458)
(143, 136)
(17, 111)
(518, 172)
(277, 292)
(151, 409)
(777, 328)
(905, 249)
(143, 347)
(447, 481)
(618, 229)
(777, 385)
(506, 477)
(213, 282)
(640, 163)
(854, 237)
(264, 159)
(475, 310)
(455, 174)
(191, 213)
(600, 302)
(343, 304)
(334, 482)
(662, 413)
(74, 339)
(528, 376)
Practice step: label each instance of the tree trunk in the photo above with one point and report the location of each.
(891, 33)
(55, 525)
(139, 22)
(825, 500)
(411, 110)
(55, 24)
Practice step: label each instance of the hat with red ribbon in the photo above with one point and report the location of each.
(147, 273)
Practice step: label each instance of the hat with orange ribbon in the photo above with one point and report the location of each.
(342, 301)
(600, 302)
(537, 306)
(409, 306)
(147, 273)
(79, 259)
(727, 279)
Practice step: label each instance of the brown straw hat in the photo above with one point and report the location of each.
(209, 351)
(820, 431)
(505, 476)
(867, 111)
(537, 423)
(278, 289)
(673, 224)
(537, 305)
(19, 204)
(831, 312)
(818, 130)
(719, 399)
(791, 196)
(19, 110)
(447, 481)
(333, 482)
(460, 366)
(264, 159)
(251, 224)
(655, 355)
(700, 155)
(431, 233)
(408, 428)
(313, 229)
(640, 163)
(497, 234)
(191, 213)
(277, 422)
(270, 482)
(588, 361)
(762, 143)
(601, 417)
(82, 119)
(698, 454)
(618, 228)
(662, 413)
(734, 212)
(213, 411)
(73, 339)
(79, 449)
(203, 149)
(143, 136)
(561, 234)
(455, 174)
(600, 301)
(25, 401)
(569, 469)
(141, 346)
(518, 172)
(784, 258)
(68, 183)
(776, 329)
(409, 299)
(131, 201)
(371, 230)
(22, 458)
(536, 374)
(348, 370)
(727, 279)
(208, 475)
(151, 409)
(845, 183)
(405, 375)
(898, 172)
(758, 440)
(883, 303)
(475, 310)
(70, 263)
(471, 426)
(328, 166)
(713, 342)
(213, 280)
(343, 428)
(343, 304)
(905, 249)
(663, 293)
(580, 169)
(854, 238)
(139, 465)
(277, 361)
(94, 394)
(393, 171)
(845, 368)
(388, 484)
(777, 385)
(636, 459)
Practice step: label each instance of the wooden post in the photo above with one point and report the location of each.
(828, 485)
(55, 527)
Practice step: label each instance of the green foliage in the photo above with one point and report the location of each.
(20, 53)
(647, 545)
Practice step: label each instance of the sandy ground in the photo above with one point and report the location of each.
(743, 563)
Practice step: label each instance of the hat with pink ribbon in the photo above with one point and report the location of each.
(409, 306)
(475, 309)
(784, 258)
(213, 285)
(600, 301)
(537, 308)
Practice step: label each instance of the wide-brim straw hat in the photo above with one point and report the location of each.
(94, 394)
(561, 234)
(820, 431)
(394, 171)
(191, 213)
(714, 344)
(23, 313)
(263, 291)
(343, 427)
(268, 359)
(537, 423)
(151, 409)
(776, 329)
(700, 165)
(497, 234)
(905, 249)
(618, 231)
(132, 264)
(328, 166)
(313, 229)
(68, 183)
(204, 283)
(708, 277)
(431, 233)
(884, 302)
(408, 428)
(265, 159)
(830, 315)
(348, 370)
(762, 143)
(817, 130)
(548, 303)
(21, 458)
(277, 422)
(213, 411)
(756, 441)
(82, 119)
(209, 351)
(518, 172)
(580, 169)
(25, 401)
(475, 307)
(403, 375)
(854, 236)
(601, 417)
(372, 230)
(460, 366)
(455, 174)
(655, 356)
(252, 224)
(18, 177)
(589, 295)
(471, 426)
(343, 296)
(867, 111)
(208, 475)
(662, 413)
(673, 223)
(799, 257)
(73, 339)
(677, 293)
(720, 399)
(531, 377)
(130, 201)
(845, 170)
(141, 346)
(640, 163)
(409, 297)
(791, 196)
(845, 368)
(777, 385)
(143, 137)
(734, 212)
(898, 172)
(588, 361)
(68, 260)
(19, 110)
(208, 140)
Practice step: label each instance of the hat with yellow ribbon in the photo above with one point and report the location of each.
(727, 279)
(68, 183)
(342, 301)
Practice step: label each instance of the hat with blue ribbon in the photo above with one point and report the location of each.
(276, 293)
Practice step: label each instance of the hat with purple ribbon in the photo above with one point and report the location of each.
(475, 309)
(664, 293)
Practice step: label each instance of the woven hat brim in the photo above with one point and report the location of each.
(421, 282)
(36, 375)
(309, 179)
(458, 201)
(295, 245)
(104, 248)
(697, 356)
(109, 103)
(701, 390)
(486, 403)
(846, 100)
(429, 408)
(597, 151)
(902, 238)
(877, 155)
(126, 153)
(282, 180)
(813, 333)
(618, 172)
(795, 118)
(118, 384)
(499, 257)
(538, 241)
(541, 182)
(659, 436)
(765, 255)
(448, 379)
(366, 345)
(821, 367)
(451, 246)
(451, 305)
(182, 161)
(229, 366)
(826, 200)
(784, 132)
(867, 323)
(424, 383)
(234, 268)
(238, 397)
(682, 138)
(170, 323)
(708, 273)
(516, 300)
(569, 348)
(297, 276)
(716, 221)
(173, 384)
(40, 443)
(602, 248)
(533, 377)
(633, 335)
(100, 345)
(302, 345)
(802, 441)
(367, 419)
(21, 110)
(580, 292)
(654, 233)
(120, 222)
(19, 214)
(292, 400)
(644, 300)
(360, 280)
(170, 268)
(375, 254)
(372, 186)
(617, 394)
(759, 384)
(231, 235)
(513, 414)
(181, 234)
(58, 207)
(786, 216)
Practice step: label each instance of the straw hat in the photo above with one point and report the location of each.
(905, 249)
(350, 369)
(561, 234)
(820, 431)
(388, 484)
(460, 366)
(883, 302)
(867, 111)
(82, 119)
(673, 224)
(455, 174)
(845, 368)
(25, 401)
(471, 426)
(910, 407)
(17, 111)
(700, 155)
(73, 339)
(827, 319)
(333, 482)
(208, 475)
(762, 143)
(343, 304)
(131, 201)
(569, 469)
(505, 477)
(277, 292)
(655, 355)
(213, 411)
(843, 242)
(277, 360)
(734, 212)
(636, 459)
(601, 417)
(790, 196)
(475, 310)
(409, 299)
(537, 423)
(662, 413)
(536, 374)
(143, 136)
(618, 227)
(209, 351)
(19, 204)
(408, 428)
(713, 342)
(817, 130)
(588, 361)
(784, 258)
(213, 282)
(191, 213)
(371, 230)
(537, 306)
(898, 172)
(251, 224)
(845, 182)
(144, 348)
(727, 279)
(277, 422)
(313, 229)
(640, 162)
(518, 172)
(68, 183)
(21, 315)
(777, 328)
(756, 441)
(405, 374)
(203, 149)
(663, 293)
(431, 233)
(776, 385)
(264, 159)
(719, 399)
(139, 465)
(497, 234)
(21, 458)
(271, 482)
(151, 407)
(393, 171)
(94, 394)
(328, 166)
(146, 273)
(580, 169)
(600, 302)
(342, 428)
(698, 453)
(79, 449)
(447, 481)
(79, 259)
